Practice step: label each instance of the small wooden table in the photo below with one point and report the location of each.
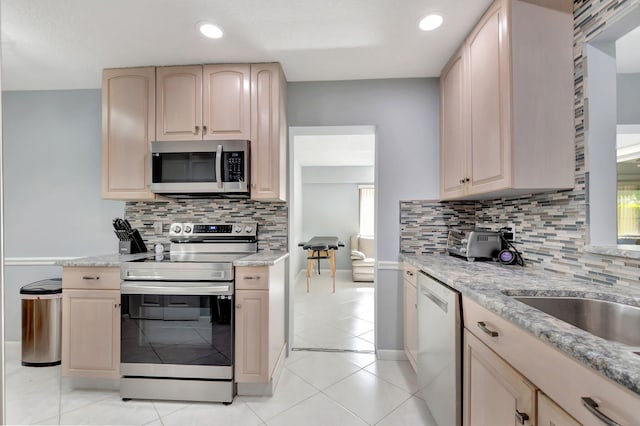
(321, 248)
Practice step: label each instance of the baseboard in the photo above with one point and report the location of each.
(389, 354)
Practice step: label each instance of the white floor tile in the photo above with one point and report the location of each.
(369, 336)
(411, 413)
(323, 369)
(360, 359)
(367, 396)
(32, 394)
(352, 325)
(164, 408)
(237, 413)
(72, 399)
(318, 410)
(290, 391)
(111, 411)
(399, 373)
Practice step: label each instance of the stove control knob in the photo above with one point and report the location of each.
(187, 229)
(238, 229)
(177, 229)
(248, 229)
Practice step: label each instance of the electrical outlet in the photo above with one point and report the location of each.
(157, 227)
(513, 229)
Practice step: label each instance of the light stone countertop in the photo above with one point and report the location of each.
(113, 260)
(492, 285)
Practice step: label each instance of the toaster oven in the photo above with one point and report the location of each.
(475, 244)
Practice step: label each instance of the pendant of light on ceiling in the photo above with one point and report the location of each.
(209, 30)
(430, 22)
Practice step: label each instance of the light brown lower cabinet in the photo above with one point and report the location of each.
(550, 413)
(503, 363)
(493, 392)
(260, 328)
(91, 323)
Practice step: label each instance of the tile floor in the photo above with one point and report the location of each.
(316, 388)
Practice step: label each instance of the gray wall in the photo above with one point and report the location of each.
(51, 142)
(330, 209)
(628, 98)
(406, 114)
(331, 205)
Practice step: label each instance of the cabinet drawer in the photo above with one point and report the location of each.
(410, 273)
(91, 278)
(252, 278)
(565, 380)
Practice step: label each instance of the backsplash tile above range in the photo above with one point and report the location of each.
(272, 218)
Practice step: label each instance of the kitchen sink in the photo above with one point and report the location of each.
(610, 320)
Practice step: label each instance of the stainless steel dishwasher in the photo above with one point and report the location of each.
(439, 350)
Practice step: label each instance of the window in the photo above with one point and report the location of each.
(628, 213)
(367, 208)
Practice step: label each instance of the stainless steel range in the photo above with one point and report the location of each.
(177, 320)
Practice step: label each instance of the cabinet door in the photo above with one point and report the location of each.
(268, 133)
(128, 125)
(453, 128)
(410, 323)
(226, 102)
(179, 103)
(550, 413)
(489, 102)
(91, 333)
(252, 336)
(493, 392)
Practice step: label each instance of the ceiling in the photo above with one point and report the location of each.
(64, 44)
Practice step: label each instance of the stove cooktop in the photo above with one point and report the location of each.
(192, 258)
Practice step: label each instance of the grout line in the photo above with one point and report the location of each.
(158, 412)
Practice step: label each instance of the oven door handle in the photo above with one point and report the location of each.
(174, 289)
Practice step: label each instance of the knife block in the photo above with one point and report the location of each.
(130, 242)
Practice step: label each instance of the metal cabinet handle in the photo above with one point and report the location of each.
(204, 130)
(197, 129)
(592, 406)
(467, 179)
(483, 326)
(249, 277)
(238, 306)
(90, 278)
(521, 417)
(409, 273)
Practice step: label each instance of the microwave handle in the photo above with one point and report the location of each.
(219, 166)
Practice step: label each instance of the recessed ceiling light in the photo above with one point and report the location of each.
(210, 30)
(430, 22)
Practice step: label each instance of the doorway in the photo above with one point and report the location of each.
(331, 182)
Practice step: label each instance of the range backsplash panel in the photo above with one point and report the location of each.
(552, 228)
(272, 218)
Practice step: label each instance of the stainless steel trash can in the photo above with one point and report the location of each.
(41, 322)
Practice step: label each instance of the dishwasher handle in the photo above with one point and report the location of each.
(442, 304)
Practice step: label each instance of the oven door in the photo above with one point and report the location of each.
(193, 167)
(179, 330)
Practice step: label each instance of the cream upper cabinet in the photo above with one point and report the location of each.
(453, 127)
(410, 314)
(268, 132)
(226, 102)
(128, 126)
(91, 322)
(203, 102)
(513, 105)
(179, 103)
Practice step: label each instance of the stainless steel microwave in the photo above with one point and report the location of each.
(196, 169)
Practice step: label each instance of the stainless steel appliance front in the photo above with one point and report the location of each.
(439, 362)
(177, 319)
(185, 169)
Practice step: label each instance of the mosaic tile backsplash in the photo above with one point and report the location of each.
(552, 228)
(271, 218)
